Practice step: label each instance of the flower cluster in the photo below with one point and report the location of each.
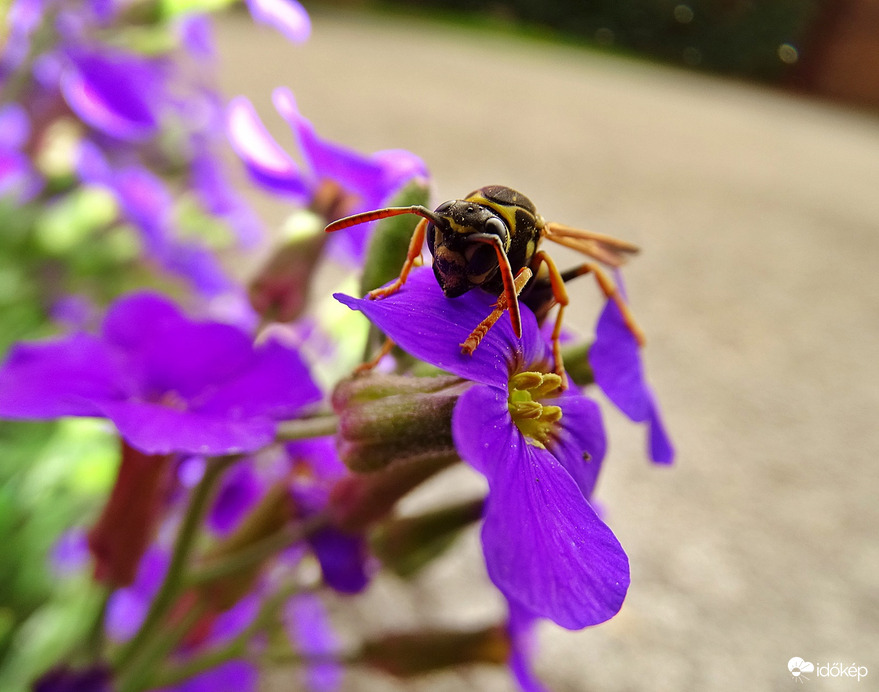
(253, 481)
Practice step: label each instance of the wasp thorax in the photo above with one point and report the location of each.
(462, 242)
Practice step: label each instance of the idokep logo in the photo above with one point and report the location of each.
(799, 667)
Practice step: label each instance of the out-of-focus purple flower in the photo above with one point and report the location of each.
(169, 384)
(545, 547)
(145, 201)
(287, 16)
(128, 606)
(70, 552)
(231, 676)
(240, 489)
(368, 182)
(342, 556)
(213, 187)
(118, 94)
(63, 679)
(520, 628)
(308, 625)
(615, 358)
(18, 177)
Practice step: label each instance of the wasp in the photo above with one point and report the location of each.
(491, 240)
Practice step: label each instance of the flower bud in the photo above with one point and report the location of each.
(412, 654)
(406, 544)
(390, 418)
(129, 519)
(358, 500)
(280, 290)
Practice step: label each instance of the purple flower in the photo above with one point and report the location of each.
(128, 606)
(367, 181)
(64, 679)
(168, 383)
(231, 676)
(239, 491)
(520, 628)
(308, 625)
(114, 92)
(287, 16)
(342, 556)
(545, 547)
(146, 202)
(18, 177)
(615, 358)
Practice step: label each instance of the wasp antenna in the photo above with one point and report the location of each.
(367, 216)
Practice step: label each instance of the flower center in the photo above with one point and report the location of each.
(535, 420)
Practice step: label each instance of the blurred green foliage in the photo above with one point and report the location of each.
(51, 477)
(744, 38)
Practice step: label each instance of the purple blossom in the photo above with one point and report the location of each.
(128, 606)
(287, 16)
(520, 628)
(168, 383)
(230, 676)
(64, 679)
(239, 491)
(116, 93)
(615, 358)
(369, 181)
(308, 625)
(342, 556)
(545, 547)
(18, 177)
(146, 202)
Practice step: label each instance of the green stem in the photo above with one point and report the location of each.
(258, 552)
(237, 647)
(168, 591)
(304, 428)
(94, 636)
(139, 675)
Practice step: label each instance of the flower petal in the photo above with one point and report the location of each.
(287, 16)
(481, 423)
(308, 625)
(545, 547)
(580, 433)
(275, 383)
(156, 429)
(114, 93)
(265, 160)
(61, 378)
(615, 358)
(326, 159)
(429, 326)
(520, 627)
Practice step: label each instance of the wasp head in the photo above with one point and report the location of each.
(456, 237)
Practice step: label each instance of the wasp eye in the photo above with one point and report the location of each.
(497, 227)
(481, 262)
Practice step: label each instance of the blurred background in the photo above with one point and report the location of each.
(737, 143)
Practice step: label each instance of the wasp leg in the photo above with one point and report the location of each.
(607, 286)
(604, 248)
(476, 336)
(372, 362)
(413, 254)
(560, 296)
